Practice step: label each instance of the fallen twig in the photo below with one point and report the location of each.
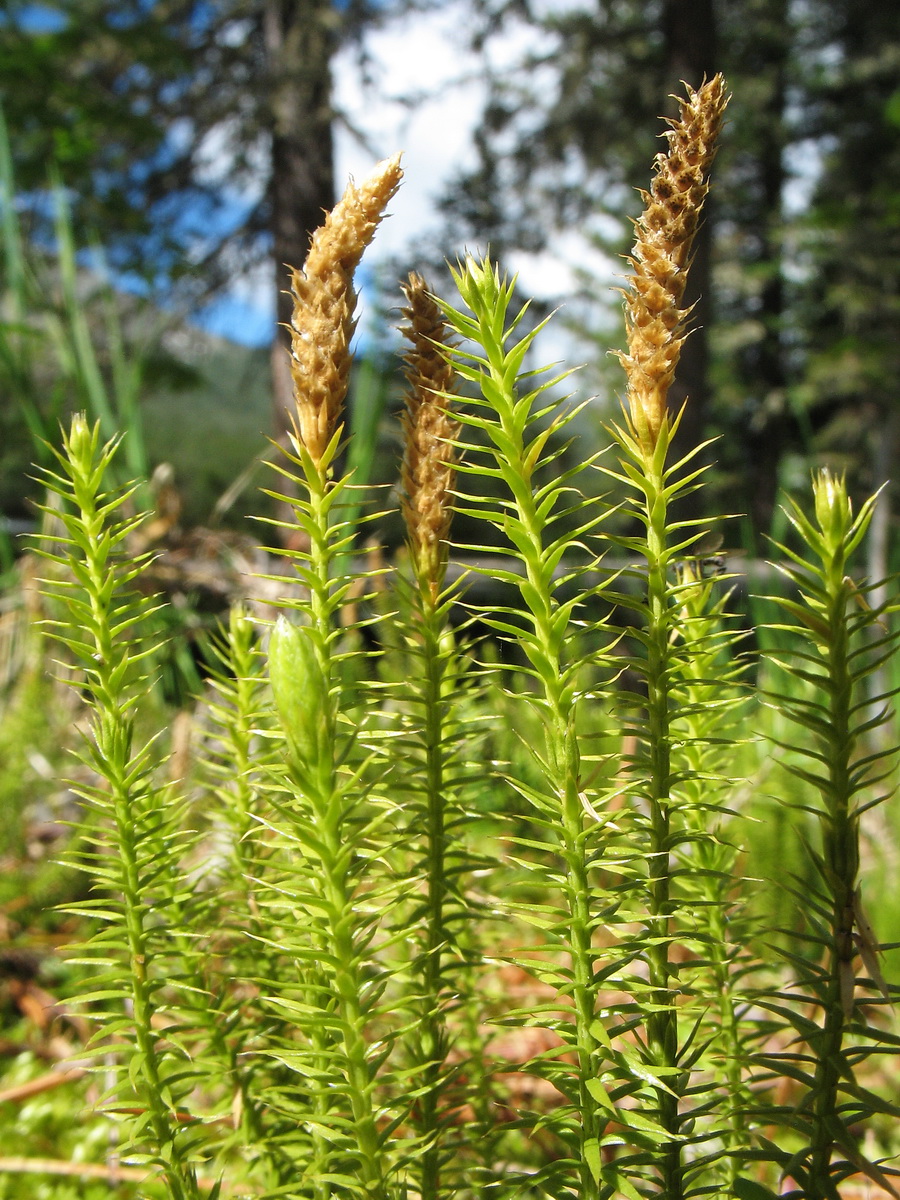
(113, 1174)
(44, 1083)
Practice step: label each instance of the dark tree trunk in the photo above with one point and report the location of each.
(300, 40)
(771, 424)
(769, 427)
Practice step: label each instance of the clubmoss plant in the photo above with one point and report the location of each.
(138, 835)
(713, 922)
(656, 326)
(837, 642)
(234, 764)
(427, 480)
(511, 412)
(324, 812)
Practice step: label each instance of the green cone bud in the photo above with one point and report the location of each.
(82, 440)
(298, 687)
(833, 511)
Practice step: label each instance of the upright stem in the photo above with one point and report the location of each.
(529, 512)
(708, 707)
(179, 1175)
(662, 1023)
(656, 325)
(433, 1025)
(828, 616)
(103, 610)
(428, 476)
(729, 1029)
(563, 774)
(329, 801)
(841, 845)
(304, 675)
(563, 778)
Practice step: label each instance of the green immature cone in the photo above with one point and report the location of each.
(82, 440)
(299, 691)
(832, 505)
(841, 534)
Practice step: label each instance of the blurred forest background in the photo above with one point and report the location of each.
(162, 151)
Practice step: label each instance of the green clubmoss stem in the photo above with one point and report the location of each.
(304, 668)
(711, 676)
(428, 476)
(307, 694)
(657, 326)
(517, 451)
(104, 618)
(833, 614)
(662, 1023)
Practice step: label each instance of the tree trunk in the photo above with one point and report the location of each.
(300, 40)
(770, 431)
(769, 428)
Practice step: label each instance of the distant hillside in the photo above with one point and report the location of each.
(210, 422)
(205, 402)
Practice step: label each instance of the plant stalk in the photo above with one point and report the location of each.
(662, 1022)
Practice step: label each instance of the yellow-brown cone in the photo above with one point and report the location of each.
(428, 462)
(324, 302)
(655, 322)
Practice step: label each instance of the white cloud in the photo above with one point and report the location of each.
(425, 58)
(418, 104)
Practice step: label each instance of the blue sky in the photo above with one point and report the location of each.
(248, 322)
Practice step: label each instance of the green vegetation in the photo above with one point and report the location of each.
(423, 916)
